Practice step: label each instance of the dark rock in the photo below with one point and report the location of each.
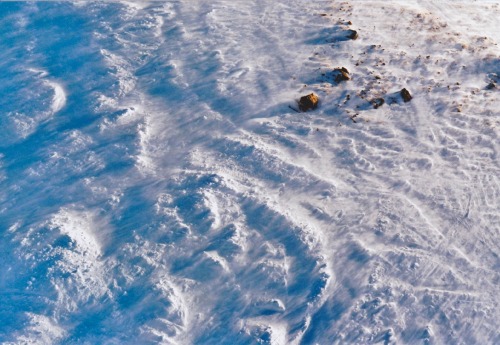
(308, 102)
(377, 102)
(341, 74)
(405, 94)
(491, 86)
(352, 34)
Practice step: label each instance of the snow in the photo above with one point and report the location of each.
(156, 187)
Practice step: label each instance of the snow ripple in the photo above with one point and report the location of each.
(156, 188)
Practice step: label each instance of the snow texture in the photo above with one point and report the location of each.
(157, 188)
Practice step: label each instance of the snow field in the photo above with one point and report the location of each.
(157, 188)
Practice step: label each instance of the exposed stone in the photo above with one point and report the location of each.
(491, 86)
(308, 102)
(352, 34)
(341, 74)
(405, 94)
(377, 102)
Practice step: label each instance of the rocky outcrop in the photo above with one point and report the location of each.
(405, 94)
(308, 102)
(352, 34)
(340, 75)
(491, 86)
(377, 102)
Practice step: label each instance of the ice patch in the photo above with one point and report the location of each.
(121, 69)
(138, 5)
(81, 227)
(59, 99)
(216, 258)
(41, 330)
(37, 97)
(41, 73)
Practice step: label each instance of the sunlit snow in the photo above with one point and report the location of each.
(158, 184)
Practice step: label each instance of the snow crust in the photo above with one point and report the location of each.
(157, 188)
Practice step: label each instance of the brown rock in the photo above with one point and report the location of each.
(341, 74)
(352, 34)
(308, 102)
(377, 102)
(405, 94)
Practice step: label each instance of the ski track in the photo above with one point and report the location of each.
(155, 188)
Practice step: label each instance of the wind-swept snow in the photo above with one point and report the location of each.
(59, 99)
(156, 187)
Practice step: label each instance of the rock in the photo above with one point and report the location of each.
(491, 86)
(377, 102)
(308, 102)
(341, 74)
(405, 94)
(352, 34)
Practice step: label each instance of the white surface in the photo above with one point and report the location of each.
(155, 187)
